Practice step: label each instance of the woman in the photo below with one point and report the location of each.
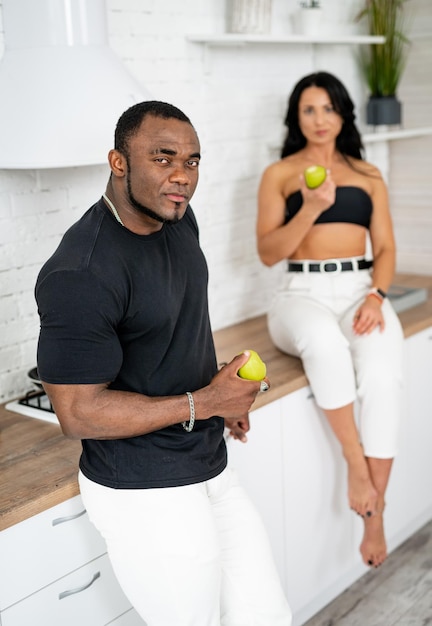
(331, 309)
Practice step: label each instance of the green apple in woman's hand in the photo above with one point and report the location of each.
(254, 368)
(314, 176)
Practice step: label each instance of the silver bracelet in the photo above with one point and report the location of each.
(190, 424)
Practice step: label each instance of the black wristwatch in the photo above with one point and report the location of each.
(381, 293)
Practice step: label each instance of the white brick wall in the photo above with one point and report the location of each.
(235, 97)
(410, 160)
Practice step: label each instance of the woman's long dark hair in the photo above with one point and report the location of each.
(348, 142)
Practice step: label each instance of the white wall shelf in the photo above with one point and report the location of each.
(233, 39)
(392, 135)
(383, 136)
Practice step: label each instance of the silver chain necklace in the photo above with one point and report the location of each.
(113, 209)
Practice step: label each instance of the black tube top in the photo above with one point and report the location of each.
(353, 205)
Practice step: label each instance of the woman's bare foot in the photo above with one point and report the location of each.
(362, 494)
(373, 548)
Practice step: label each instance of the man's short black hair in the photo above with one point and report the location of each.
(130, 121)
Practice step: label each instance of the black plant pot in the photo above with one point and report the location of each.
(384, 110)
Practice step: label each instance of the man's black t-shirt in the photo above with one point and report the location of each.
(132, 310)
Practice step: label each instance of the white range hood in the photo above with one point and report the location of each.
(62, 89)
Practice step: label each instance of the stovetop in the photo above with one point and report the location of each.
(34, 404)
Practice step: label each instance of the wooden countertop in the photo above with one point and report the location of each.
(286, 373)
(38, 465)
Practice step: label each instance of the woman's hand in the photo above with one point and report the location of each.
(368, 316)
(321, 198)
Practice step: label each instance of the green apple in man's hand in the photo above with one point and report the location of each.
(314, 176)
(254, 368)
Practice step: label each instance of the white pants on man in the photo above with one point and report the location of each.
(196, 555)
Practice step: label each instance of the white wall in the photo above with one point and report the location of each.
(236, 98)
(411, 161)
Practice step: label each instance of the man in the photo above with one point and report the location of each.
(126, 356)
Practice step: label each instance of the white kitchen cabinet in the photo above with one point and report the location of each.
(398, 516)
(417, 432)
(319, 524)
(54, 570)
(409, 496)
(293, 469)
(89, 595)
(45, 547)
(259, 462)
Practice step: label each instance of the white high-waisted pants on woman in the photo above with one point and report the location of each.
(311, 317)
(196, 555)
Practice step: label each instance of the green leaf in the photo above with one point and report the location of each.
(383, 64)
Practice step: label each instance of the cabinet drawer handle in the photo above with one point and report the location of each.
(71, 592)
(67, 518)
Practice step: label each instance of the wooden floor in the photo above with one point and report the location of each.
(399, 593)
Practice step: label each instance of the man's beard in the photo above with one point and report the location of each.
(145, 210)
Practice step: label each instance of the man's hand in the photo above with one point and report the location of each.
(238, 427)
(228, 395)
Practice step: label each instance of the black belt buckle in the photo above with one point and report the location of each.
(330, 266)
(295, 267)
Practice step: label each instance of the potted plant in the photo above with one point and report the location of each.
(383, 64)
